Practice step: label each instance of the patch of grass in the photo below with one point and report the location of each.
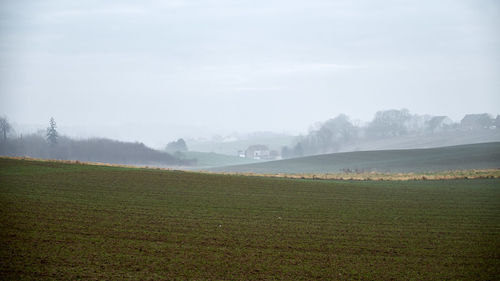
(373, 176)
(72, 221)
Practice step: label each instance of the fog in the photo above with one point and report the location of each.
(156, 71)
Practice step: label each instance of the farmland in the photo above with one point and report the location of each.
(461, 157)
(75, 221)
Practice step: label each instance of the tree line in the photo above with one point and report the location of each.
(330, 136)
(51, 145)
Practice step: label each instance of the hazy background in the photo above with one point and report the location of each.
(154, 71)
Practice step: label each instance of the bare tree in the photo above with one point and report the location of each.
(5, 127)
(389, 123)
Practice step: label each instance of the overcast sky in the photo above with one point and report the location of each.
(153, 70)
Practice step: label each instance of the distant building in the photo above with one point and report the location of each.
(241, 154)
(476, 121)
(258, 152)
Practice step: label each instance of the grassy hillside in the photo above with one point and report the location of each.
(438, 139)
(210, 159)
(69, 221)
(474, 156)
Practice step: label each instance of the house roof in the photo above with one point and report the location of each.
(474, 118)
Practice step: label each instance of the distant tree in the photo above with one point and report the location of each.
(335, 132)
(389, 123)
(341, 128)
(298, 150)
(179, 145)
(285, 152)
(328, 137)
(52, 135)
(437, 123)
(5, 127)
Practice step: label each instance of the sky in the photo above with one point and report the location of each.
(154, 71)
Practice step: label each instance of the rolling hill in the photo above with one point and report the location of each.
(415, 141)
(473, 156)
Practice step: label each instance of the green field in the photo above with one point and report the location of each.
(462, 157)
(209, 159)
(71, 221)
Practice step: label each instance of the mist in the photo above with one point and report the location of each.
(154, 72)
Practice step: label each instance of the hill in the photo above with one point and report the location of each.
(473, 156)
(438, 139)
(91, 150)
(71, 221)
